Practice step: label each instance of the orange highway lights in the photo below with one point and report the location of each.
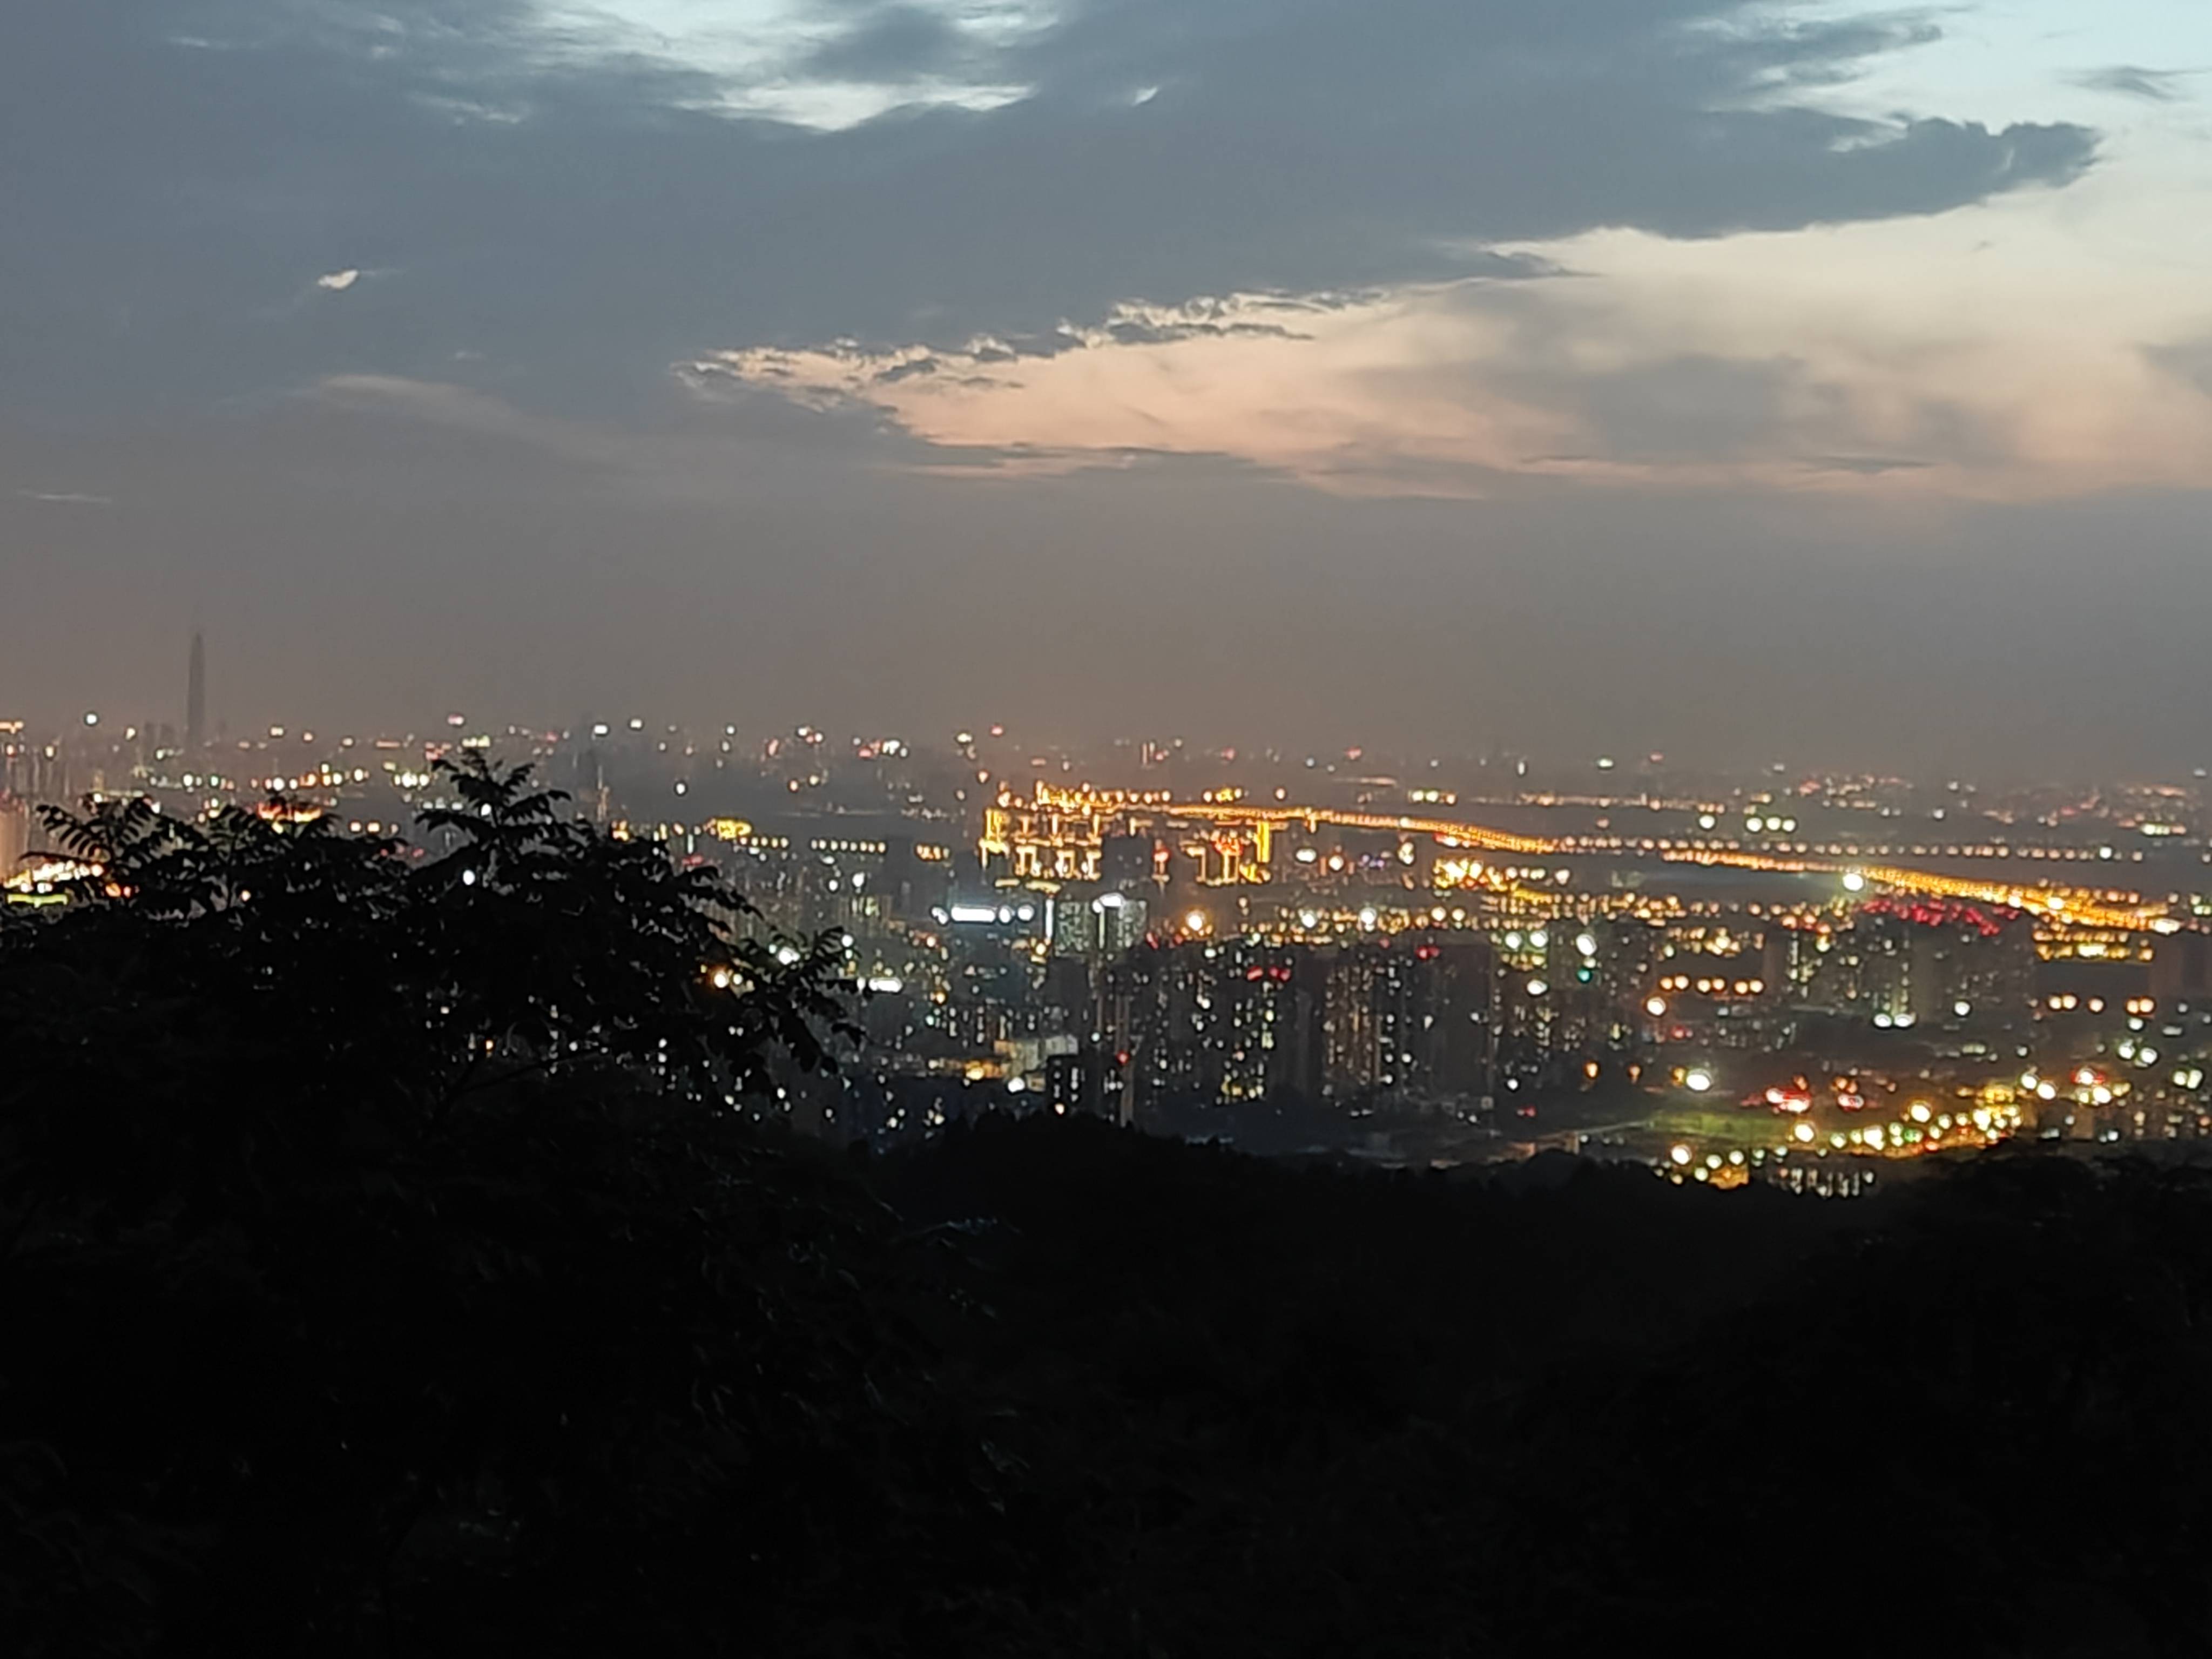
(2052, 906)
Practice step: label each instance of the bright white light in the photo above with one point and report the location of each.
(1015, 1085)
(1587, 943)
(1656, 1007)
(1854, 882)
(1699, 1082)
(1679, 1154)
(1368, 918)
(975, 913)
(786, 956)
(1537, 988)
(1539, 939)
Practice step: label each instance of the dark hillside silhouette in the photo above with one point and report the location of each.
(393, 1265)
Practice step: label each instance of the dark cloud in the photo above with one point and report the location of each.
(566, 219)
(1867, 466)
(2190, 362)
(1149, 333)
(2158, 86)
(894, 45)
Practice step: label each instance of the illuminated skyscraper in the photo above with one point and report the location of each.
(196, 697)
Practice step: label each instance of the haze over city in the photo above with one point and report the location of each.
(1825, 381)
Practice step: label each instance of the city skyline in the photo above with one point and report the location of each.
(1723, 378)
(198, 724)
(1726, 982)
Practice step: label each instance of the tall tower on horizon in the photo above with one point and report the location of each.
(196, 697)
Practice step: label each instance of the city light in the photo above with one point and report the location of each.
(1182, 899)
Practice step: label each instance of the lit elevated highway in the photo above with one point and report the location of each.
(1242, 813)
(2055, 903)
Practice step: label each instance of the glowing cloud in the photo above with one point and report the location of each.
(1887, 358)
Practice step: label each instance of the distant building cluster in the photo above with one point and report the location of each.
(1448, 958)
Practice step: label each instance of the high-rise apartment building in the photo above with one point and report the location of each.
(1241, 1020)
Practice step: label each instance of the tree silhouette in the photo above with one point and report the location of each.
(367, 1210)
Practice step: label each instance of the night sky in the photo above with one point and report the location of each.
(1815, 382)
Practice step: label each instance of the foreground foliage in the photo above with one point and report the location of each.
(348, 1308)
